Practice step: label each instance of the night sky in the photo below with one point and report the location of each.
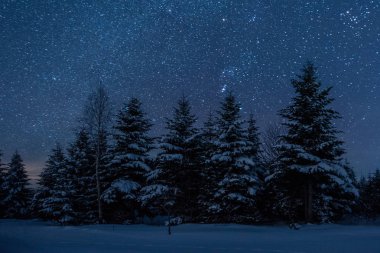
(54, 52)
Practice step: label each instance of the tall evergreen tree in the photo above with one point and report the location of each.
(130, 160)
(209, 132)
(82, 179)
(209, 135)
(232, 164)
(311, 182)
(174, 183)
(253, 143)
(18, 194)
(253, 137)
(52, 198)
(257, 168)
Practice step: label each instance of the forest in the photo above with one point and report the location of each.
(227, 171)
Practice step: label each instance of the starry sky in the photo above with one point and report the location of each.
(54, 52)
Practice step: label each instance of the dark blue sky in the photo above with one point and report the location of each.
(53, 53)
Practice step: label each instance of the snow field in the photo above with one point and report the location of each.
(35, 236)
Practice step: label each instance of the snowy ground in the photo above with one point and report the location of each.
(35, 236)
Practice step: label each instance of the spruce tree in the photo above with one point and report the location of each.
(64, 193)
(208, 181)
(257, 168)
(253, 137)
(18, 195)
(209, 132)
(173, 185)
(130, 161)
(253, 141)
(234, 192)
(52, 198)
(41, 200)
(82, 179)
(311, 182)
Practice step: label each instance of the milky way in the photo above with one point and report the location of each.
(53, 53)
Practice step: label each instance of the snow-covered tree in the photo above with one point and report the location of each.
(173, 185)
(254, 150)
(130, 161)
(52, 199)
(209, 135)
(232, 163)
(253, 137)
(82, 179)
(18, 195)
(311, 182)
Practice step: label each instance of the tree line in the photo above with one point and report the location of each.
(220, 173)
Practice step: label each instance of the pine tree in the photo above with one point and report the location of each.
(52, 198)
(192, 185)
(41, 200)
(173, 185)
(209, 132)
(130, 160)
(82, 179)
(18, 194)
(3, 173)
(311, 181)
(253, 138)
(257, 168)
(232, 164)
(208, 181)
(64, 193)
